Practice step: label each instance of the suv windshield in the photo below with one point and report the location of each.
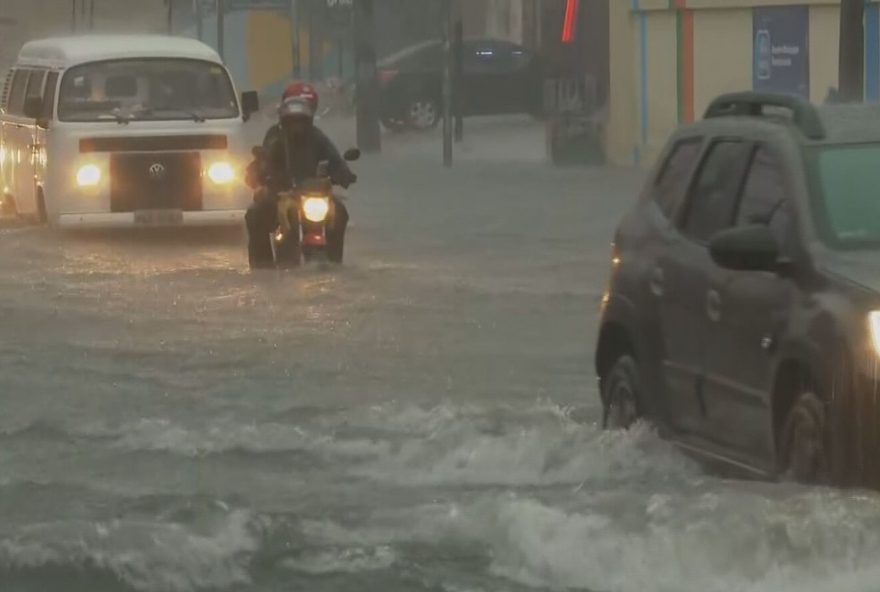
(850, 195)
(147, 89)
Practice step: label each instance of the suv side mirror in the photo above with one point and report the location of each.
(352, 154)
(33, 107)
(250, 103)
(746, 248)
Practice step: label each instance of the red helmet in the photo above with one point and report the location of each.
(303, 91)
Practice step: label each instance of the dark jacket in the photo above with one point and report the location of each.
(290, 163)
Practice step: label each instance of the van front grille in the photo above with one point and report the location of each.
(156, 181)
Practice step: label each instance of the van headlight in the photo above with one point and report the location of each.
(221, 173)
(88, 175)
(315, 209)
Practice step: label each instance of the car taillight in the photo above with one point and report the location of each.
(386, 76)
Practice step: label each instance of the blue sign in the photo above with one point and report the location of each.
(782, 50)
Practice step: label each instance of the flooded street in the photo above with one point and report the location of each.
(423, 419)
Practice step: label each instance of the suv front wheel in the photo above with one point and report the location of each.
(804, 453)
(621, 392)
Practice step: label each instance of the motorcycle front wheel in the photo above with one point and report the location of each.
(288, 254)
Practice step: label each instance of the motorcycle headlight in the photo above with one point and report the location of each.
(874, 326)
(88, 175)
(315, 209)
(221, 173)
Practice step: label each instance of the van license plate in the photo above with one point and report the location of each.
(158, 217)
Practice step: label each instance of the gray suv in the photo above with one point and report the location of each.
(743, 312)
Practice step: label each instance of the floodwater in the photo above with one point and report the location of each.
(422, 419)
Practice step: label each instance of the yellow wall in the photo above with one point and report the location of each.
(722, 54)
(662, 79)
(723, 62)
(623, 92)
(824, 50)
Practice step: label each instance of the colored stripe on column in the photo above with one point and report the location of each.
(872, 52)
(685, 37)
(643, 75)
(643, 79)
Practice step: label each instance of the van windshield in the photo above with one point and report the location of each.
(147, 89)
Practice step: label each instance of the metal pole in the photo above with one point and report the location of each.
(448, 67)
(294, 39)
(369, 137)
(852, 57)
(221, 26)
(73, 16)
(458, 51)
(170, 15)
(92, 15)
(200, 26)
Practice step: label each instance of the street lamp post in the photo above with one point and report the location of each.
(221, 26)
(448, 76)
(369, 136)
(200, 26)
(852, 56)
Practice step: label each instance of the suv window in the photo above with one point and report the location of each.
(17, 92)
(765, 199)
(713, 196)
(671, 183)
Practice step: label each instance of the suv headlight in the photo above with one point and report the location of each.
(874, 324)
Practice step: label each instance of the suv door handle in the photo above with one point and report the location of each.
(657, 281)
(713, 306)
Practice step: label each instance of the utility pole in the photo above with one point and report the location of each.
(852, 57)
(458, 52)
(294, 39)
(92, 15)
(221, 26)
(448, 75)
(200, 26)
(73, 16)
(170, 15)
(369, 137)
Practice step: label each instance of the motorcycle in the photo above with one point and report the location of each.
(306, 213)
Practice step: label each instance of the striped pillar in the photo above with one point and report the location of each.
(685, 71)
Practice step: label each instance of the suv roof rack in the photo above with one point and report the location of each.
(752, 104)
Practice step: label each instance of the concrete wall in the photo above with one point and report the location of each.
(670, 58)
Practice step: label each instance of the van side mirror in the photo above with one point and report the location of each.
(746, 248)
(352, 154)
(250, 103)
(33, 107)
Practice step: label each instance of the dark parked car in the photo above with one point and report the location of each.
(743, 311)
(498, 77)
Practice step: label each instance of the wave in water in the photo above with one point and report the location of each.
(145, 556)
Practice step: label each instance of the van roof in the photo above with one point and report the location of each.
(71, 51)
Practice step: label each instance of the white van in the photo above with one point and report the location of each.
(104, 131)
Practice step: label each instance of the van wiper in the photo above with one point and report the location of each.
(197, 117)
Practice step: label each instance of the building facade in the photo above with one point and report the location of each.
(670, 58)
(22, 20)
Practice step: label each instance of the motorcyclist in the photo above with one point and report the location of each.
(292, 150)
